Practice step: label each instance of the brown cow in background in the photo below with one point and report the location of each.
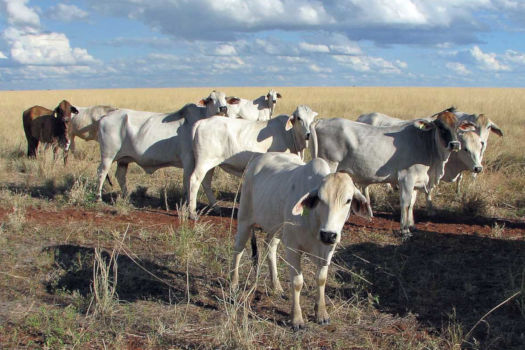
(47, 126)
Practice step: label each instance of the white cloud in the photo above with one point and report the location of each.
(225, 50)
(67, 13)
(44, 49)
(315, 68)
(515, 57)
(457, 67)
(370, 64)
(29, 45)
(20, 15)
(316, 48)
(2, 56)
(487, 61)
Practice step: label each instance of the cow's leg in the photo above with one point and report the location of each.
(321, 314)
(102, 172)
(430, 205)
(196, 179)
(458, 183)
(411, 223)
(243, 233)
(120, 174)
(206, 185)
(273, 243)
(32, 146)
(405, 197)
(368, 204)
(293, 258)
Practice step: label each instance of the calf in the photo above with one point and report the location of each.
(47, 126)
(259, 109)
(304, 206)
(412, 156)
(230, 143)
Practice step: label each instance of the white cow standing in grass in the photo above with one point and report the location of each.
(231, 143)
(259, 109)
(304, 206)
(469, 158)
(153, 140)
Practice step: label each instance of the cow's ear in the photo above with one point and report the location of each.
(74, 110)
(360, 205)
(55, 112)
(495, 129)
(203, 102)
(233, 100)
(423, 125)
(305, 203)
(279, 95)
(466, 126)
(267, 97)
(289, 123)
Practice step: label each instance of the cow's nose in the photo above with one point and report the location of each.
(454, 145)
(223, 109)
(478, 169)
(328, 237)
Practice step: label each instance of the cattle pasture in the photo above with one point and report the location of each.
(172, 282)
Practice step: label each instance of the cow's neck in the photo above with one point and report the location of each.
(296, 145)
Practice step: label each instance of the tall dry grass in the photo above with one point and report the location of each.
(500, 186)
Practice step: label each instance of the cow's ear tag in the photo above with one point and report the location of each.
(306, 211)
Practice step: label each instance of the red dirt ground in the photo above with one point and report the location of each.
(513, 229)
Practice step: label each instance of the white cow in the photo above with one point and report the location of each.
(412, 156)
(152, 140)
(468, 159)
(230, 143)
(259, 109)
(304, 206)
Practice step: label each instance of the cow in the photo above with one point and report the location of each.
(259, 109)
(412, 156)
(473, 145)
(48, 126)
(230, 143)
(305, 206)
(152, 140)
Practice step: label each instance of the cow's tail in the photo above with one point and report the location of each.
(314, 147)
(255, 254)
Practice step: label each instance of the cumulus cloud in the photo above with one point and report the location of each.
(395, 21)
(225, 50)
(2, 56)
(67, 13)
(371, 64)
(30, 45)
(458, 68)
(487, 61)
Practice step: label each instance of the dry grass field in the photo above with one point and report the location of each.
(135, 273)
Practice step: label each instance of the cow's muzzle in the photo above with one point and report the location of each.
(328, 237)
(223, 109)
(454, 146)
(477, 169)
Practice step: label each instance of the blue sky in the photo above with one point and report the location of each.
(64, 44)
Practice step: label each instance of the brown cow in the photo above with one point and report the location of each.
(47, 126)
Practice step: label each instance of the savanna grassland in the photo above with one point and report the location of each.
(135, 273)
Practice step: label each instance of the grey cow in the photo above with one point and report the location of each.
(412, 156)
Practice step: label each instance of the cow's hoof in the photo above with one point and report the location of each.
(324, 321)
(193, 216)
(297, 327)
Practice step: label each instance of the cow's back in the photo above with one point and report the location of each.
(34, 121)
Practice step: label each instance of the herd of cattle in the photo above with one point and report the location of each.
(305, 205)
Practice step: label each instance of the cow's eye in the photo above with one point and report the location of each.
(349, 201)
(298, 119)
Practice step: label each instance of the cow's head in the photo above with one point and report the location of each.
(300, 121)
(483, 127)
(63, 123)
(329, 205)
(445, 128)
(471, 152)
(215, 103)
(272, 97)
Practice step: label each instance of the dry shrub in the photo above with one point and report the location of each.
(104, 285)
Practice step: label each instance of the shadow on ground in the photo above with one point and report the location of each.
(444, 278)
